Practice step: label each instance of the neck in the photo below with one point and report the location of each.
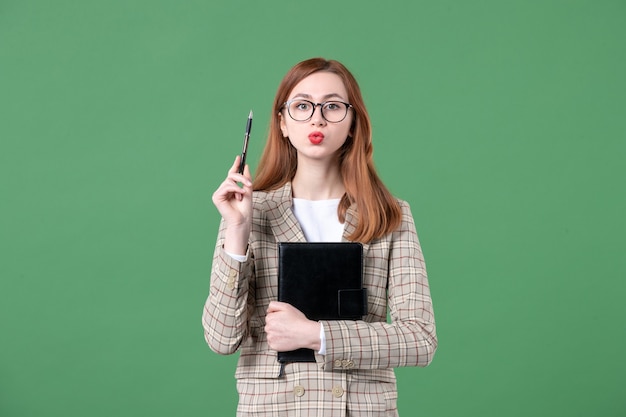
(317, 181)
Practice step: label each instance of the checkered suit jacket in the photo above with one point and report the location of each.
(360, 355)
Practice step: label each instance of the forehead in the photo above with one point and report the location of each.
(319, 86)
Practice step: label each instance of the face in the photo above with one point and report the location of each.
(316, 138)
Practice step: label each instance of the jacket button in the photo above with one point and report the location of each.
(338, 363)
(298, 390)
(337, 391)
(230, 283)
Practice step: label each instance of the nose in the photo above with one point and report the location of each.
(317, 118)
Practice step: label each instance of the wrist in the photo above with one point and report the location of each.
(322, 349)
(236, 239)
(316, 342)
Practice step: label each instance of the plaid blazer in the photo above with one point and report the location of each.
(355, 376)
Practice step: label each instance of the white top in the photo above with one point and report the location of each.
(318, 219)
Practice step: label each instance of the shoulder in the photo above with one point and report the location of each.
(405, 207)
(407, 222)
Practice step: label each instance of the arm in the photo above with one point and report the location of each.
(410, 339)
(225, 314)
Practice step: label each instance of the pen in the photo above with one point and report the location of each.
(244, 151)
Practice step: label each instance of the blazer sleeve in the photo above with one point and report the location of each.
(225, 315)
(410, 338)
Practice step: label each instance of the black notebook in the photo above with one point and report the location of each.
(324, 281)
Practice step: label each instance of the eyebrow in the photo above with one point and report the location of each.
(326, 97)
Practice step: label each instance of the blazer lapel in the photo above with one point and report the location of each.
(350, 227)
(280, 215)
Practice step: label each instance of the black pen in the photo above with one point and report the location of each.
(244, 151)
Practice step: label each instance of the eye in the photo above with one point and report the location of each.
(334, 105)
(301, 105)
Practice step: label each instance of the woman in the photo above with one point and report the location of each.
(316, 182)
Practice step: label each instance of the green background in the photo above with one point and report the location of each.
(503, 123)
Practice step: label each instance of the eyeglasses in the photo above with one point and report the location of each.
(302, 110)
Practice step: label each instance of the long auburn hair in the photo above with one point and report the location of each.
(378, 212)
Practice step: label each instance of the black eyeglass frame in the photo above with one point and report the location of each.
(287, 103)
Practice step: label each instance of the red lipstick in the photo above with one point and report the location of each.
(316, 138)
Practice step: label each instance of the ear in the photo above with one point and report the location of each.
(283, 127)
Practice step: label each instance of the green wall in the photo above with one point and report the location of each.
(503, 123)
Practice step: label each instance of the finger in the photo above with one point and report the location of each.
(274, 306)
(246, 172)
(225, 191)
(235, 166)
(239, 178)
(271, 307)
(234, 169)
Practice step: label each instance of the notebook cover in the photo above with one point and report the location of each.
(324, 281)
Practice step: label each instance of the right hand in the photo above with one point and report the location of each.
(234, 202)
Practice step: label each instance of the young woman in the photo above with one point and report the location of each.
(316, 182)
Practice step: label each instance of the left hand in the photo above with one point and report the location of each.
(288, 328)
